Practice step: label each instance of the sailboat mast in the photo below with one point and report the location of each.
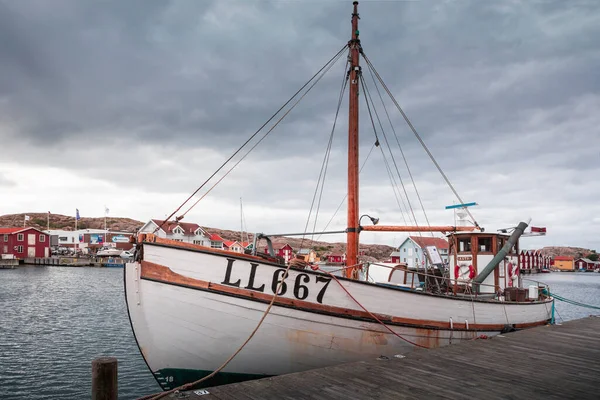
(353, 226)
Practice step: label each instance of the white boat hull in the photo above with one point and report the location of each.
(190, 309)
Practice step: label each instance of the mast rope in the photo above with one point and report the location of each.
(418, 137)
(346, 196)
(261, 139)
(335, 57)
(325, 163)
(367, 98)
(399, 147)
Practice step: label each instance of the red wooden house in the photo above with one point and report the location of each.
(285, 251)
(24, 242)
(585, 264)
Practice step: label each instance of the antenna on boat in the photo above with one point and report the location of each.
(353, 230)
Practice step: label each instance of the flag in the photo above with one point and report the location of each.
(536, 229)
(77, 217)
(27, 218)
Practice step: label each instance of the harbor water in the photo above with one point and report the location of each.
(55, 320)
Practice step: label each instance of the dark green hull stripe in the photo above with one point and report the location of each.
(170, 378)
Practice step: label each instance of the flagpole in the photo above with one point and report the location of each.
(24, 219)
(48, 225)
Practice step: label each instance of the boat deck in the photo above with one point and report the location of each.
(550, 362)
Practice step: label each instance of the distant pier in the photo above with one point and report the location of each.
(550, 362)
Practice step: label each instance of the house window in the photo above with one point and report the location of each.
(6, 238)
(405, 249)
(464, 245)
(42, 238)
(405, 258)
(216, 244)
(19, 249)
(20, 237)
(63, 239)
(178, 231)
(200, 242)
(484, 244)
(178, 240)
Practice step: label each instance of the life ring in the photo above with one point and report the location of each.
(458, 274)
(513, 274)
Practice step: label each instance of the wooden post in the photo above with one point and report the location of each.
(104, 378)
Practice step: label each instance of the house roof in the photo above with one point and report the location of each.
(229, 243)
(563, 258)
(423, 242)
(587, 260)
(395, 254)
(10, 230)
(188, 227)
(15, 230)
(215, 237)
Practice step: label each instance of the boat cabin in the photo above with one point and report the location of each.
(469, 254)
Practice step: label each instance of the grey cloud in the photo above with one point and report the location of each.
(502, 92)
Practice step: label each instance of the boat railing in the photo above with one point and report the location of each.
(447, 282)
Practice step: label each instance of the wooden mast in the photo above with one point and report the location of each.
(353, 226)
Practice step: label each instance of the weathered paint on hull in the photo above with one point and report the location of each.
(181, 323)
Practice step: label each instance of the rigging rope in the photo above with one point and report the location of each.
(418, 137)
(367, 97)
(251, 137)
(325, 164)
(399, 146)
(346, 196)
(262, 138)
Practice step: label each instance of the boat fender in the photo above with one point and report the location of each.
(513, 274)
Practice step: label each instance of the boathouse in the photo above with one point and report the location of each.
(586, 264)
(24, 242)
(564, 263)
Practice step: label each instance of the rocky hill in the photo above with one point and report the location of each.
(575, 252)
(67, 223)
(373, 252)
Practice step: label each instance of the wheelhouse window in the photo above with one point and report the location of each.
(484, 244)
(464, 245)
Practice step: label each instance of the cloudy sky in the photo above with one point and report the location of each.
(133, 104)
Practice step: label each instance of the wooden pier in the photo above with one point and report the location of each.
(550, 362)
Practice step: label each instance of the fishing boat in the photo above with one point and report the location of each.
(196, 310)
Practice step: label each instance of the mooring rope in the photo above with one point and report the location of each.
(574, 302)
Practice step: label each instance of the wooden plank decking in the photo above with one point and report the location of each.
(550, 362)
